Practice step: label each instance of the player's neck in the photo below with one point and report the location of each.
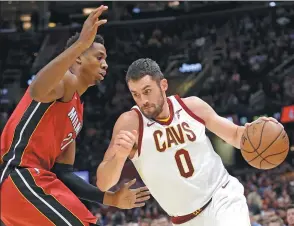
(82, 82)
(165, 114)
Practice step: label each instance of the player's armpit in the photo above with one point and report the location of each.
(53, 95)
(68, 155)
(63, 91)
(220, 126)
(109, 171)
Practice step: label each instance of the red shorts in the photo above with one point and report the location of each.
(36, 197)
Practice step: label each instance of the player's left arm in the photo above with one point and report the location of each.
(220, 126)
(63, 168)
(124, 198)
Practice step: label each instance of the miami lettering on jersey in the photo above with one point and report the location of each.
(73, 116)
(77, 126)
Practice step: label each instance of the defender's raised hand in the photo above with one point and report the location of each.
(91, 25)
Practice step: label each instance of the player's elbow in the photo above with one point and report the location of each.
(34, 92)
(102, 185)
(104, 181)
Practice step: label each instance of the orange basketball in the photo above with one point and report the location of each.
(264, 144)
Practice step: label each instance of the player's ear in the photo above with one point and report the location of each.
(164, 84)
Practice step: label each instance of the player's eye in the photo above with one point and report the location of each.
(147, 91)
(99, 58)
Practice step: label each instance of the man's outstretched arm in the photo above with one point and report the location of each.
(48, 85)
(220, 126)
(124, 198)
(123, 139)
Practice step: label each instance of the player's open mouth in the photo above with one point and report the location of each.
(102, 75)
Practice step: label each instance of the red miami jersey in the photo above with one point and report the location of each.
(37, 133)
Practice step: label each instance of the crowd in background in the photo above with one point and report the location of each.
(249, 49)
(242, 52)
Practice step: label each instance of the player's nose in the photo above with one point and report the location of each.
(104, 65)
(145, 102)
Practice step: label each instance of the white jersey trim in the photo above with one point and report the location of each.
(140, 132)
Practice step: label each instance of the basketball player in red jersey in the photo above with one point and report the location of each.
(38, 186)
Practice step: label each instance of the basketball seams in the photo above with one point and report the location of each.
(260, 163)
(261, 134)
(276, 153)
(266, 146)
(259, 154)
(249, 140)
(243, 150)
(265, 159)
(255, 149)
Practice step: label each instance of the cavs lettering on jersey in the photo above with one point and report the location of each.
(37, 133)
(176, 160)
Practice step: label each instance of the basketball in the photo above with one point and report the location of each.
(264, 144)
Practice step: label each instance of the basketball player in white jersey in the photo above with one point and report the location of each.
(172, 153)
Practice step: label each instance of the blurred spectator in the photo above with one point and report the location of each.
(275, 221)
(290, 215)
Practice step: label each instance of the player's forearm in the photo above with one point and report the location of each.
(238, 136)
(79, 187)
(50, 75)
(108, 173)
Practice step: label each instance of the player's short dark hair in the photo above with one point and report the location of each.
(291, 206)
(142, 67)
(75, 37)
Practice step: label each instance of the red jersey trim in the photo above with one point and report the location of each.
(27, 176)
(76, 94)
(2, 157)
(34, 132)
(184, 106)
(141, 130)
(24, 130)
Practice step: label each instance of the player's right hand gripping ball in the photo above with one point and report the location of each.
(264, 144)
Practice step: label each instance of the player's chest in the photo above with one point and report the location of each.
(68, 123)
(174, 136)
(73, 120)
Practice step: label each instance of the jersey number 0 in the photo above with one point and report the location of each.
(184, 163)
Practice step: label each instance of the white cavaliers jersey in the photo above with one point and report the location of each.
(176, 160)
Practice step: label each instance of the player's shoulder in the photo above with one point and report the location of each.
(129, 115)
(128, 119)
(192, 101)
(70, 86)
(197, 106)
(70, 82)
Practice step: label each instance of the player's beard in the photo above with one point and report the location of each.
(97, 83)
(157, 108)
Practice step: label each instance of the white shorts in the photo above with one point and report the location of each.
(227, 208)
